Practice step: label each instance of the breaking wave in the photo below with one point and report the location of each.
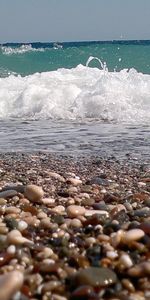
(77, 93)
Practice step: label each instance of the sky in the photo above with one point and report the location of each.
(73, 20)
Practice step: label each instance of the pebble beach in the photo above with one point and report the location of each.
(74, 228)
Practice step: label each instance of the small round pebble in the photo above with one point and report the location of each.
(34, 193)
(75, 210)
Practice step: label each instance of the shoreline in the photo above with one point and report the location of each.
(83, 223)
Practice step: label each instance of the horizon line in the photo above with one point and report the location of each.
(79, 41)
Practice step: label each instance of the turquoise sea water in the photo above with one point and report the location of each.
(29, 58)
(78, 97)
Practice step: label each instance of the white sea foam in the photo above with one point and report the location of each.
(78, 93)
(19, 50)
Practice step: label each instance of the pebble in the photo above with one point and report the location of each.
(56, 176)
(3, 201)
(50, 286)
(139, 270)
(75, 211)
(89, 213)
(88, 201)
(8, 194)
(11, 249)
(34, 193)
(128, 285)
(76, 223)
(117, 209)
(22, 225)
(9, 284)
(15, 237)
(145, 226)
(46, 253)
(48, 201)
(96, 277)
(90, 241)
(132, 235)
(84, 292)
(59, 209)
(12, 210)
(112, 254)
(74, 181)
(125, 260)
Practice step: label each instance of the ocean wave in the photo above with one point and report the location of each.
(20, 50)
(78, 93)
(5, 72)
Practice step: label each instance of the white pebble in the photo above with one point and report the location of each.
(89, 213)
(22, 225)
(11, 249)
(126, 260)
(112, 254)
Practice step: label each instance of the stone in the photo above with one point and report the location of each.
(89, 213)
(8, 194)
(74, 181)
(9, 284)
(75, 211)
(96, 277)
(14, 237)
(145, 226)
(132, 235)
(126, 261)
(34, 193)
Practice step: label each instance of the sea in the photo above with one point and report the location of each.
(76, 98)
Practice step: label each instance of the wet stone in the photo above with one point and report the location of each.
(100, 205)
(84, 292)
(96, 219)
(96, 277)
(121, 217)
(98, 181)
(111, 227)
(145, 226)
(144, 212)
(11, 223)
(147, 202)
(8, 194)
(19, 188)
(57, 219)
(94, 254)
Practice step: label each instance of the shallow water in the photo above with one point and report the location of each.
(87, 138)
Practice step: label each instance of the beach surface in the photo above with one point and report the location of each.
(74, 227)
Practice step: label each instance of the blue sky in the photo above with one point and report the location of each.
(73, 20)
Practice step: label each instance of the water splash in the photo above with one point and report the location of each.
(78, 93)
(103, 65)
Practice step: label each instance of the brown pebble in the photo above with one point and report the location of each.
(128, 285)
(34, 193)
(9, 284)
(75, 211)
